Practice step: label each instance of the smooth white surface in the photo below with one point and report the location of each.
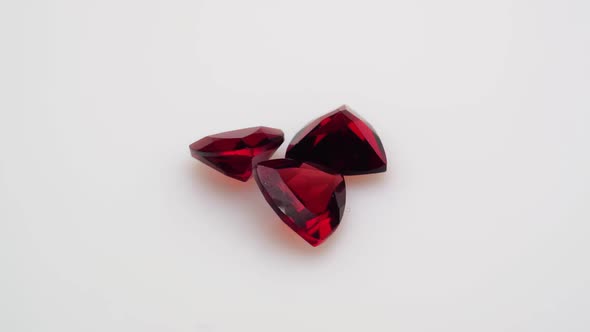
(482, 222)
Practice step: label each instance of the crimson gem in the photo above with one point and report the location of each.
(308, 199)
(234, 153)
(340, 141)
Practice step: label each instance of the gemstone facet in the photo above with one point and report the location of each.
(341, 141)
(234, 153)
(307, 199)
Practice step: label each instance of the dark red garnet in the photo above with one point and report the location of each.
(341, 141)
(234, 153)
(309, 200)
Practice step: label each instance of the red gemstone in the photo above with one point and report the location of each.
(309, 200)
(234, 153)
(341, 141)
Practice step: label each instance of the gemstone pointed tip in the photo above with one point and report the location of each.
(344, 107)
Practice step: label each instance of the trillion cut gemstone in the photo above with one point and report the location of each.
(340, 141)
(234, 153)
(308, 199)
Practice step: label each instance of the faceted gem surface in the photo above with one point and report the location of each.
(308, 199)
(340, 141)
(234, 153)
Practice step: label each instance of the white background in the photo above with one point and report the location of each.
(482, 222)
